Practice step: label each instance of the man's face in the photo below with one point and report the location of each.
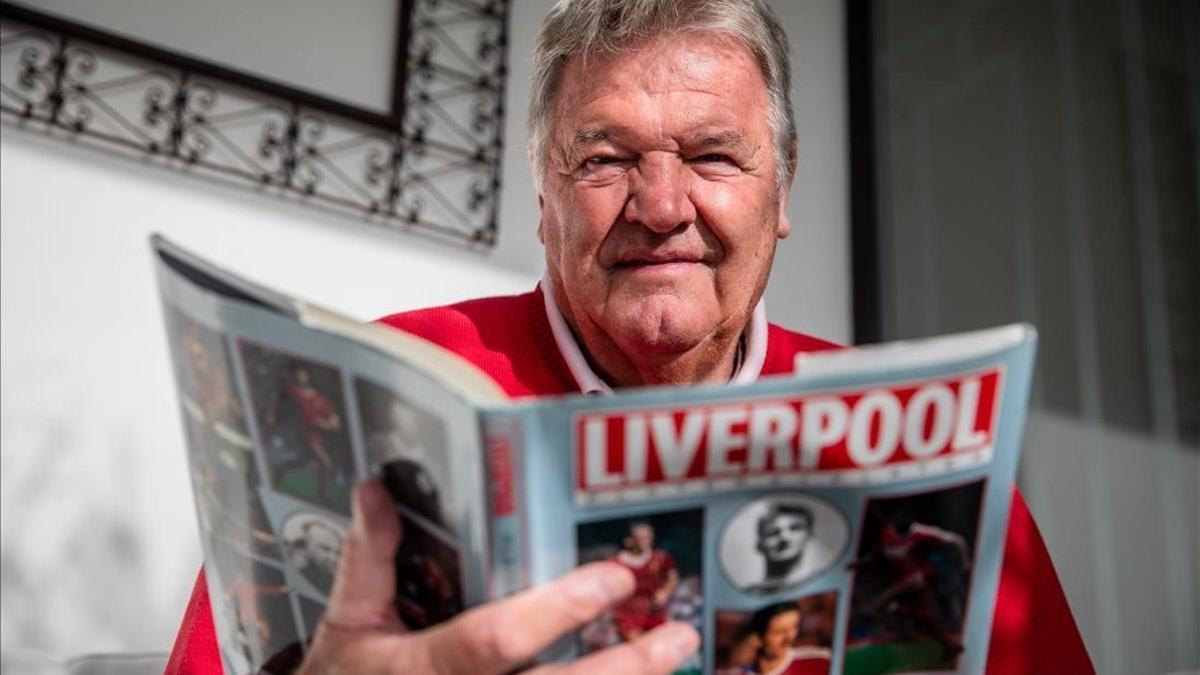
(643, 538)
(781, 633)
(324, 547)
(660, 206)
(783, 537)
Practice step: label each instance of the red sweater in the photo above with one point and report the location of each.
(509, 338)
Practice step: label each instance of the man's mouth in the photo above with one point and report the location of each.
(643, 261)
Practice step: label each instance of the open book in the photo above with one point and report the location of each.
(848, 519)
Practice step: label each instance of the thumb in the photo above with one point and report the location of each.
(364, 590)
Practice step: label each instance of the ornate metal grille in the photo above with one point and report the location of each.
(432, 166)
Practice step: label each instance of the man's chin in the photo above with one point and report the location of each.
(660, 326)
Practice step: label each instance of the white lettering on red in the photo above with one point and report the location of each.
(881, 405)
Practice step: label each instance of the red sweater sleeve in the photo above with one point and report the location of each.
(195, 651)
(1033, 630)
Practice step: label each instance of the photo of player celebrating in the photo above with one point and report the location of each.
(300, 411)
(784, 638)
(664, 554)
(428, 575)
(912, 574)
(253, 604)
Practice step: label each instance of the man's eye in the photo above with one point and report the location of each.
(601, 161)
(602, 167)
(713, 157)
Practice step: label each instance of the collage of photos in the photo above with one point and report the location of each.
(793, 637)
(270, 570)
(665, 555)
(408, 446)
(252, 601)
(300, 410)
(912, 578)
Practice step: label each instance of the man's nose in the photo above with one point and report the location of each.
(659, 194)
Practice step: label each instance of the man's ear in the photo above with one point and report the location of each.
(784, 227)
(541, 218)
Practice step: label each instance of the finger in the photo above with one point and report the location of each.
(363, 590)
(505, 634)
(658, 652)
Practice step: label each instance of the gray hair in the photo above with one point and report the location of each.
(586, 27)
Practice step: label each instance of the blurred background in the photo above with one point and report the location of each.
(962, 164)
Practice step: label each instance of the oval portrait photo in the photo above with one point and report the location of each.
(314, 545)
(776, 542)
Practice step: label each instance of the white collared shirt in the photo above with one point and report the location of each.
(590, 383)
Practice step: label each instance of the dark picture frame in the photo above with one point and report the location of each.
(430, 164)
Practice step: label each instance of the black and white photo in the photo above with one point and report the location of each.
(775, 542)
(406, 444)
(314, 545)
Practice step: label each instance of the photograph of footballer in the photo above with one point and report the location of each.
(428, 576)
(407, 445)
(253, 605)
(912, 576)
(204, 375)
(776, 542)
(314, 545)
(793, 637)
(665, 554)
(300, 411)
(231, 514)
(225, 478)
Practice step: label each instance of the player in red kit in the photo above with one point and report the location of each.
(317, 416)
(910, 601)
(655, 576)
(776, 627)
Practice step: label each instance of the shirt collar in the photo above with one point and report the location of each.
(590, 383)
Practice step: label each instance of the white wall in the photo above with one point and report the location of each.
(97, 533)
(95, 506)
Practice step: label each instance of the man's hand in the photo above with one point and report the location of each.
(361, 632)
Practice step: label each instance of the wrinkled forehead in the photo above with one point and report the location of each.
(597, 88)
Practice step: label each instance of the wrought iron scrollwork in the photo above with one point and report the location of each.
(433, 166)
(174, 114)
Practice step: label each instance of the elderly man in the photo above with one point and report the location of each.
(662, 142)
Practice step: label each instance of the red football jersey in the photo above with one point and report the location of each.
(510, 339)
(803, 661)
(315, 410)
(641, 611)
